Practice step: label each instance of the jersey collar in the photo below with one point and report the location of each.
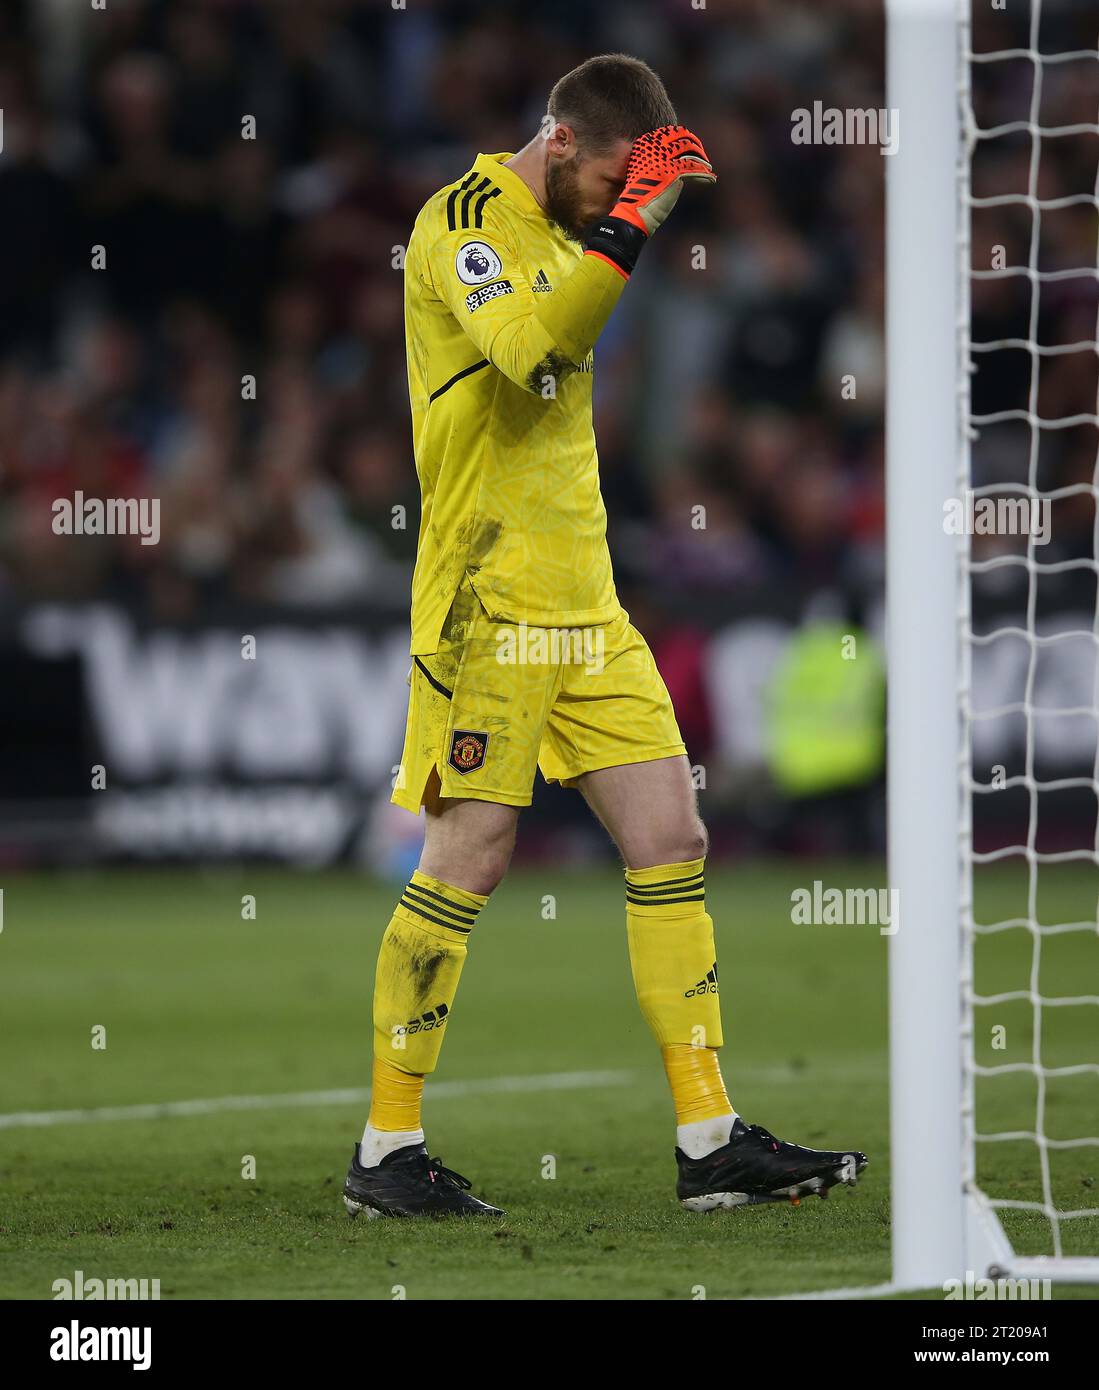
(509, 182)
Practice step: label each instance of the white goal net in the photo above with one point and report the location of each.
(993, 638)
(1029, 630)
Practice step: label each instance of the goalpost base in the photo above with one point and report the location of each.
(989, 1254)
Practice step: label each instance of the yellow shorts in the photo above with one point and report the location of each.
(498, 700)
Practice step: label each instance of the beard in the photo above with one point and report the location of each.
(563, 201)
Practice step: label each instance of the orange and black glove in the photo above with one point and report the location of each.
(660, 162)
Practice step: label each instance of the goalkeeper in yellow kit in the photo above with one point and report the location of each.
(523, 658)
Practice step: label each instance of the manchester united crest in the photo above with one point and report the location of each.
(467, 750)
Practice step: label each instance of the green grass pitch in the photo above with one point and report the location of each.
(199, 1004)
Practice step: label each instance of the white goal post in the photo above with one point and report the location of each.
(944, 1224)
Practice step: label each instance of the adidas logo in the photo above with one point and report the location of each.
(434, 1018)
(706, 986)
(541, 284)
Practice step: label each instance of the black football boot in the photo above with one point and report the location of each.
(754, 1167)
(409, 1183)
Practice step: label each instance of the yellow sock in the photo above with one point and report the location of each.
(671, 940)
(698, 1092)
(419, 965)
(396, 1098)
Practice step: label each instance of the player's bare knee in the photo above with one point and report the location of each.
(692, 843)
(470, 851)
(673, 847)
(487, 867)
(477, 872)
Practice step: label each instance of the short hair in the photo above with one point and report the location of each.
(609, 98)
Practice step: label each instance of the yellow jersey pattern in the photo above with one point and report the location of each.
(501, 415)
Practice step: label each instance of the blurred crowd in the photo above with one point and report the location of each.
(742, 372)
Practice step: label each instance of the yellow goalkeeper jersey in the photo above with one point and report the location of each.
(501, 310)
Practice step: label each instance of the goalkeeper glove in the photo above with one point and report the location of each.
(660, 162)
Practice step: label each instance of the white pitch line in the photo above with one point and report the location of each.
(445, 1090)
(553, 1081)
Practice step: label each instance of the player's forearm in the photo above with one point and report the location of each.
(556, 339)
(579, 309)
